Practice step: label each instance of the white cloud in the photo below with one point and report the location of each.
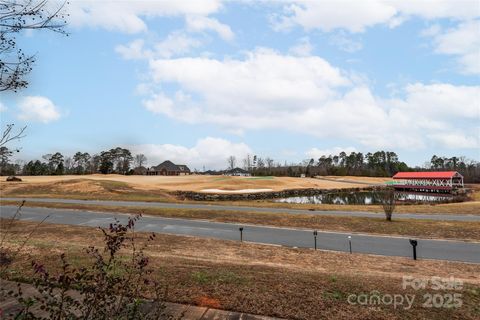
(302, 48)
(452, 9)
(159, 103)
(37, 108)
(442, 100)
(128, 16)
(209, 152)
(134, 50)
(307, 95)
(353, 16)
(431, 31)
(462, 41)
(316, 153)
(2, 107)
(264, 78)
(344, 42)
(175, 44)
(202, 23)
(356, 16)
(457, 140)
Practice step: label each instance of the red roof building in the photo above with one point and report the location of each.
(428, 181)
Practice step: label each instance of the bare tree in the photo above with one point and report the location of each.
(270, 162)
(15, 16)
(388, 202)
(5, 153)
(140, 160)
(260, 163)
(232, 161)
(247, 162)
(8, 135)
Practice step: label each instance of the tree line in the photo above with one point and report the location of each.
(117, 160)
(372, 164)
(121, 161)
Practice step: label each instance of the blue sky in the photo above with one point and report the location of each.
(197, 81)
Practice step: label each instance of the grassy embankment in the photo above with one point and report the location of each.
(83, 189)
(268, 280)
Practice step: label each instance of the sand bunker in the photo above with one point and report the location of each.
(235, 191)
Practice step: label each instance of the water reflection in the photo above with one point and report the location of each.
(367, 197)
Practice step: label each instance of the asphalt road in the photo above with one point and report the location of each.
(389, 246)
(167, 205)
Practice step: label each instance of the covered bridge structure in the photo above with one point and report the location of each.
(431, 181)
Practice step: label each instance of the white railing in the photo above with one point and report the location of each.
(425, 182)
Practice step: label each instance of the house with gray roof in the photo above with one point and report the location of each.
(237, 172)
(168, 168)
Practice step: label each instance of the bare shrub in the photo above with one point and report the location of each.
(108, 287)
(8, 252)
(388, 199)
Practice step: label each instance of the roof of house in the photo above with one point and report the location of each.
(427, 175)
(236, 170)
(170, 166)
(183, 167)
(212, 172)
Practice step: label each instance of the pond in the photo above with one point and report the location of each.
(368, 197)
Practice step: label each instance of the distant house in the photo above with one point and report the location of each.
(168, 168)
(237, 172)
(212, 172)
(140, 170)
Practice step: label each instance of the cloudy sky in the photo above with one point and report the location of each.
(196, 81)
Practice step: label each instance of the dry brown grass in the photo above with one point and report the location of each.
(269, 280)
(82, 189)
(187, 183)
(469, 207)
(476, 191)
(372, 180)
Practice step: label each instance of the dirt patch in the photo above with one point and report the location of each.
(74, 186)
(79, 186)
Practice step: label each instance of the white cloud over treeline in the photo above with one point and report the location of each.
(307, 94)
(209, 152)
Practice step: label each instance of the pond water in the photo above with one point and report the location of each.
(367, 197)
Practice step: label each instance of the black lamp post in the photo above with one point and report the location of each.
(241, 233)
(315, 233)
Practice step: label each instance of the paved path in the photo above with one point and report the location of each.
(167, 205)
(381, 245)
(9, 305)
